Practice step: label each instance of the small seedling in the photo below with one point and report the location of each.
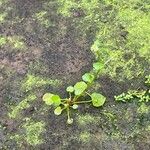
(75, 93)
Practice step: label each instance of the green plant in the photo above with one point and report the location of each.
(76, 93)
(141, 95)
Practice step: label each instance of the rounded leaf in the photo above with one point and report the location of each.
(80, 87)
(75, 106)
(98, 99)
(70, 121)
(56, 100)
(58, 111)
(98, 66)
(70, 89)
(88, 77)
(47, 98)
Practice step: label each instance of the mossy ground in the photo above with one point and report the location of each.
(48, 45)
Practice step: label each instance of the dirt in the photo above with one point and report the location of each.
(63, 53)
(61, 57)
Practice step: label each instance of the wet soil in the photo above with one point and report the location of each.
(63, 56)
(60, 52)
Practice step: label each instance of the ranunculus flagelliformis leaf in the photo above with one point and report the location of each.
(70, 121)
(98, 66)
(56, 100)
(50, 99)
(70, 89)
(98, 99)
(88, 77)
(47, 98)
(58, 111)
(80, 87)
(75, 106)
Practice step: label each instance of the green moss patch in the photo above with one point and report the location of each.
(32, 82)
(42, 18)
(15, 42)
(85, 137)
(22, 105)
(87, 119)
(30, 133)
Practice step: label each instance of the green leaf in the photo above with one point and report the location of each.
(70, 121)
(70, 89)
(98, 99)
(47, 98)
(56, 100)
(98, 66)
(58, 111)
(80, 87)
(88, 77)
(75, 106)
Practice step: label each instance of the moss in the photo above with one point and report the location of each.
(3, 40)
(2, 2)
(110, 116)
(85, 137)
(33, 132)
(43, 19)
(143, 109)
(84, 120)
(65, 6)
(148, 128)
(30, 133)
(116, 135)
(137, 24)
(2, 17)
(128, 116)
(17, 138)
(117, 65)
(15, 42)
(32, 82)
(121, 30)
(88, 9)
(22, 105)
(36, 66)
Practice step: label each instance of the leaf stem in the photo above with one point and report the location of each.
(68, 113)
(83, 102)
(76, 97)
(64, 99)
(88, 93)
(70, 95)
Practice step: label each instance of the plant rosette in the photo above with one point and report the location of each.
(75, 93)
